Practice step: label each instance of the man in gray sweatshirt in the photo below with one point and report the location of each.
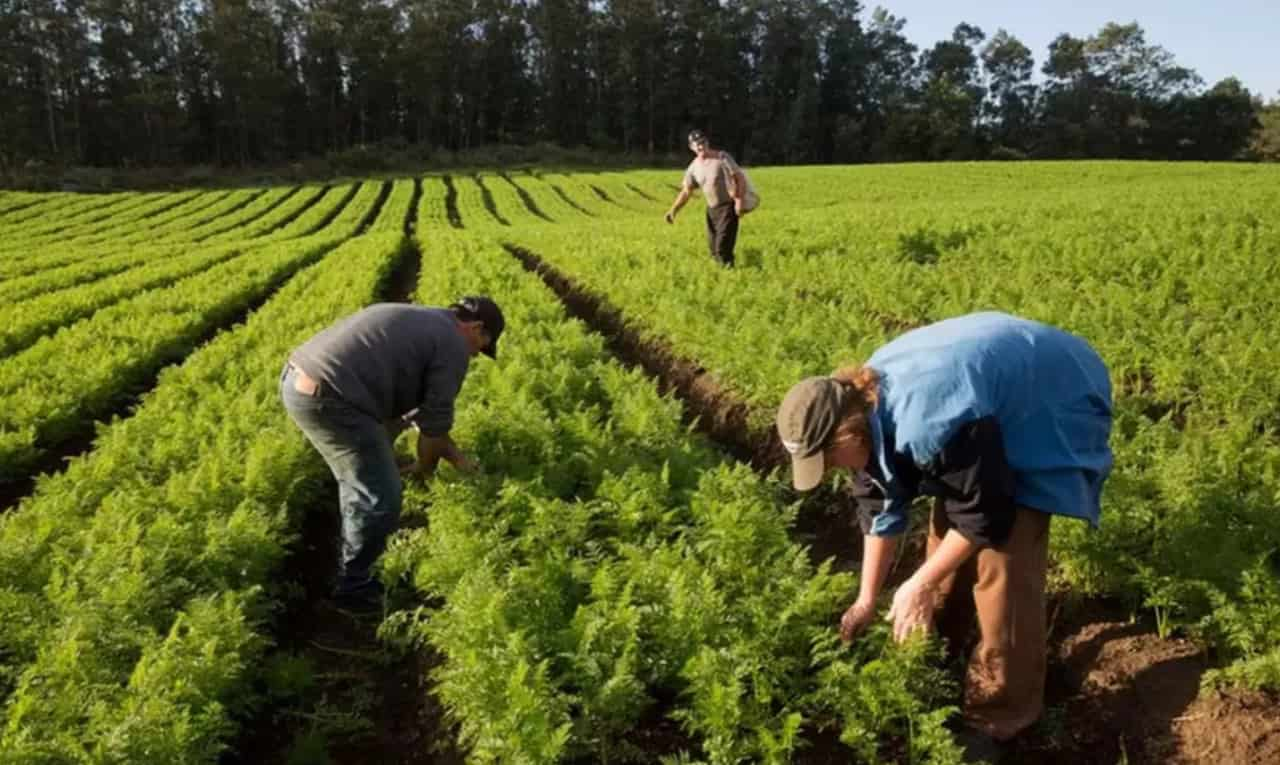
(355, 386)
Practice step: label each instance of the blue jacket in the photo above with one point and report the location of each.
(988, 412)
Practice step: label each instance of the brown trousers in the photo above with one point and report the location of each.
(1004, 682)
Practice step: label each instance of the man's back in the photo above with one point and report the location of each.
(388, 358)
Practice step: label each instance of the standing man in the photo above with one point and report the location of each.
(355, 386)
(728, 193)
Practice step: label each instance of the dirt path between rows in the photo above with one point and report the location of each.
(362, 701)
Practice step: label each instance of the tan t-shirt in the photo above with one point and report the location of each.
(713, 174)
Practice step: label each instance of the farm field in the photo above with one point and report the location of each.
(630, 578)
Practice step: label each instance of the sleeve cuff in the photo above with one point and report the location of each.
(431, 427)
(885, 525)
(889, 522)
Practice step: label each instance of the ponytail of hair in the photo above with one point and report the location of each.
(864, 380)
(854, 420)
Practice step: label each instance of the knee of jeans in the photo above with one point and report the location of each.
(372, 494)
(386, 493)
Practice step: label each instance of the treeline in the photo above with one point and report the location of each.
(122, 83)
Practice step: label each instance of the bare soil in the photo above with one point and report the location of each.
(1119, 693)
(367, 702)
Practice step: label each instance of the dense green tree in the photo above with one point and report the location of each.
(46, 80)
(784, 103)
(563, 29)
(637, 52)
(1067, 121)
(439, 64)
(1215, 125)
(1265, 144)
(245, 81)
(1011, 96)
(153, 82)
(844, 90)
(953, 95)
(895, 128)
(506, 96)
(1116, 95)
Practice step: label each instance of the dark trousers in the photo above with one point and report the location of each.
(722, 232)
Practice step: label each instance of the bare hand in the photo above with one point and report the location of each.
(856, 619)
(462, 463)
(670, 217)
(408, 465)
(737, 208)
(912, 609)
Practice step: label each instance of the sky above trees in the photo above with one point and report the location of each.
(1217, 39)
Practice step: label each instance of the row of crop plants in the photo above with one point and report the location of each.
(612, 587)
(170, 211)
(92, 261)
(25, 248)
(520, 199)
(60, 268)
(14, 204)
(139, 585)
(146, 225)
(1173, 286)
(73, 211)
(203, 220)
(24, 255)
(135, 325)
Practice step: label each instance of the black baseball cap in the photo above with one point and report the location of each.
(482, 309)
(697, 136)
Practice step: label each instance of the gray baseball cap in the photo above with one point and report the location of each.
(806, 419)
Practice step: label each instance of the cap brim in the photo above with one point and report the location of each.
(806, 472)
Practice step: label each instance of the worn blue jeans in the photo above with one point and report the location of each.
(359, 453)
